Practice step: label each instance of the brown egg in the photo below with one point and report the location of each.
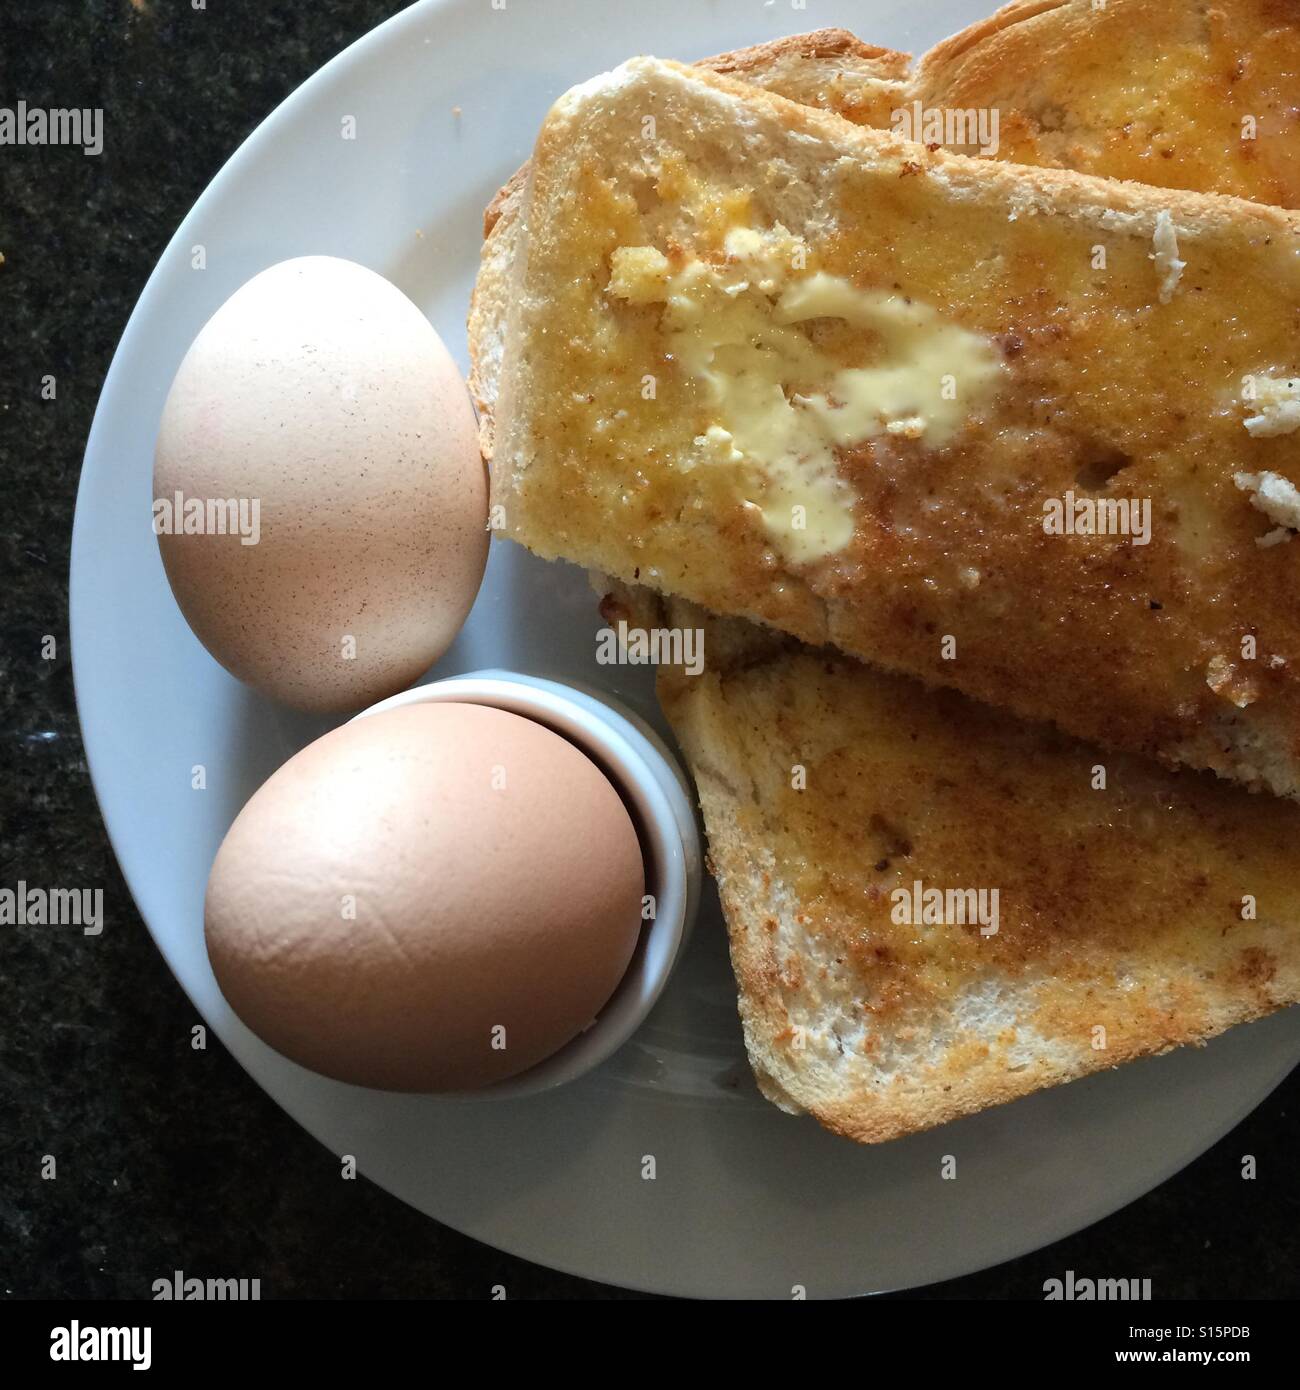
(431, 898)
(319, 498)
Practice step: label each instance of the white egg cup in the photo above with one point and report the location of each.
(659, 799)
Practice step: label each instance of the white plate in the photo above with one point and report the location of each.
(746, 1201)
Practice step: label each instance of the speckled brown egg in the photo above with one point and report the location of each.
(431, 898)
(319, 499)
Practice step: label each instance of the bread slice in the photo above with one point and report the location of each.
(1200, 94)
(1075, 386)
(1152, 911)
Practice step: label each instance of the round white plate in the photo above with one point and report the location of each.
(745, 1201)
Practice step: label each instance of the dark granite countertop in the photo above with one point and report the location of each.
(163, 1164)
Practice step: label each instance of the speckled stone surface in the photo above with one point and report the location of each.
(170, 1159)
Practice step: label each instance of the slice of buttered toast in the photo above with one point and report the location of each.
(934, 907)
(1022, 432)
(1201, 94)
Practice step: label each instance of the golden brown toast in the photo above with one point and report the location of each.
(1032, 358)
(1200, 94)
(827, 788)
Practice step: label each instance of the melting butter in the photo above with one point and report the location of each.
(782, 405)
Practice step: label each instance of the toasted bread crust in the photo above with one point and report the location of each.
(976, 37)
(758, 59)
(829, 68)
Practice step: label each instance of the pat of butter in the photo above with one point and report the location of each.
(782, 405)
(930, 370)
